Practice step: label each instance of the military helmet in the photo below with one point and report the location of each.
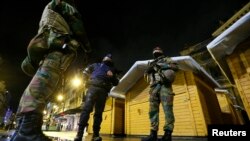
(169, 75)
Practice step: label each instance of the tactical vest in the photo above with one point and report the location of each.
(54, 21)
(163, 73)
(52, 33)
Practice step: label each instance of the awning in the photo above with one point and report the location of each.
(69, 112)
(186, 63)
(227, 41)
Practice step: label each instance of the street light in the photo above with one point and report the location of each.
(76, 82)
(44, 112)
(60, 97)
(55, 107)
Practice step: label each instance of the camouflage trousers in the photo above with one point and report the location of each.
(45, 82)
(165, 96)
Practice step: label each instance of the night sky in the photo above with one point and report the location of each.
(128, 30)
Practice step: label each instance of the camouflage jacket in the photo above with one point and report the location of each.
(161, 70)
(63, 18)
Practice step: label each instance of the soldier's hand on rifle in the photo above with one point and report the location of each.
(149, 70)
(157, 67)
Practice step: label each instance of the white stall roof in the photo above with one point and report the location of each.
(186, 63)
(227, 41)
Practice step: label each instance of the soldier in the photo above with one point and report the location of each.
(100, 79)
(50, 52)
(161, 73)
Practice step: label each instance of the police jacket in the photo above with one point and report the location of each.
(96, 75)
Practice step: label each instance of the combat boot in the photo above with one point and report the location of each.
(30, 128)
(19, 121)
(151, 137)
(167, 136)
(96, 137)
(79, 135)
(81, 126)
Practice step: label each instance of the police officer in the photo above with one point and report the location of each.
(50, 53)
(161, 73)
(101, 77)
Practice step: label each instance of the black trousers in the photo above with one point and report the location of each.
(95, 98)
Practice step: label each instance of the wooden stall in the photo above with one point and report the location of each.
(231, 51)
(195, 106)
(113, 117)
(239, 64)
(230, 114)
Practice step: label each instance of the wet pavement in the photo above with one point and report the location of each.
(110, 138)
(69, 136)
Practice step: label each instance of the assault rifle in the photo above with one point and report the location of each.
(152, 66)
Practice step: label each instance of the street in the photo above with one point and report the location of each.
(5, 135)
(69, 136)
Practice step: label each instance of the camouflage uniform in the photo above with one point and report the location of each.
(161, 92)
(161, 74)
(47, 59)
(45, 82)
(50, 53)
